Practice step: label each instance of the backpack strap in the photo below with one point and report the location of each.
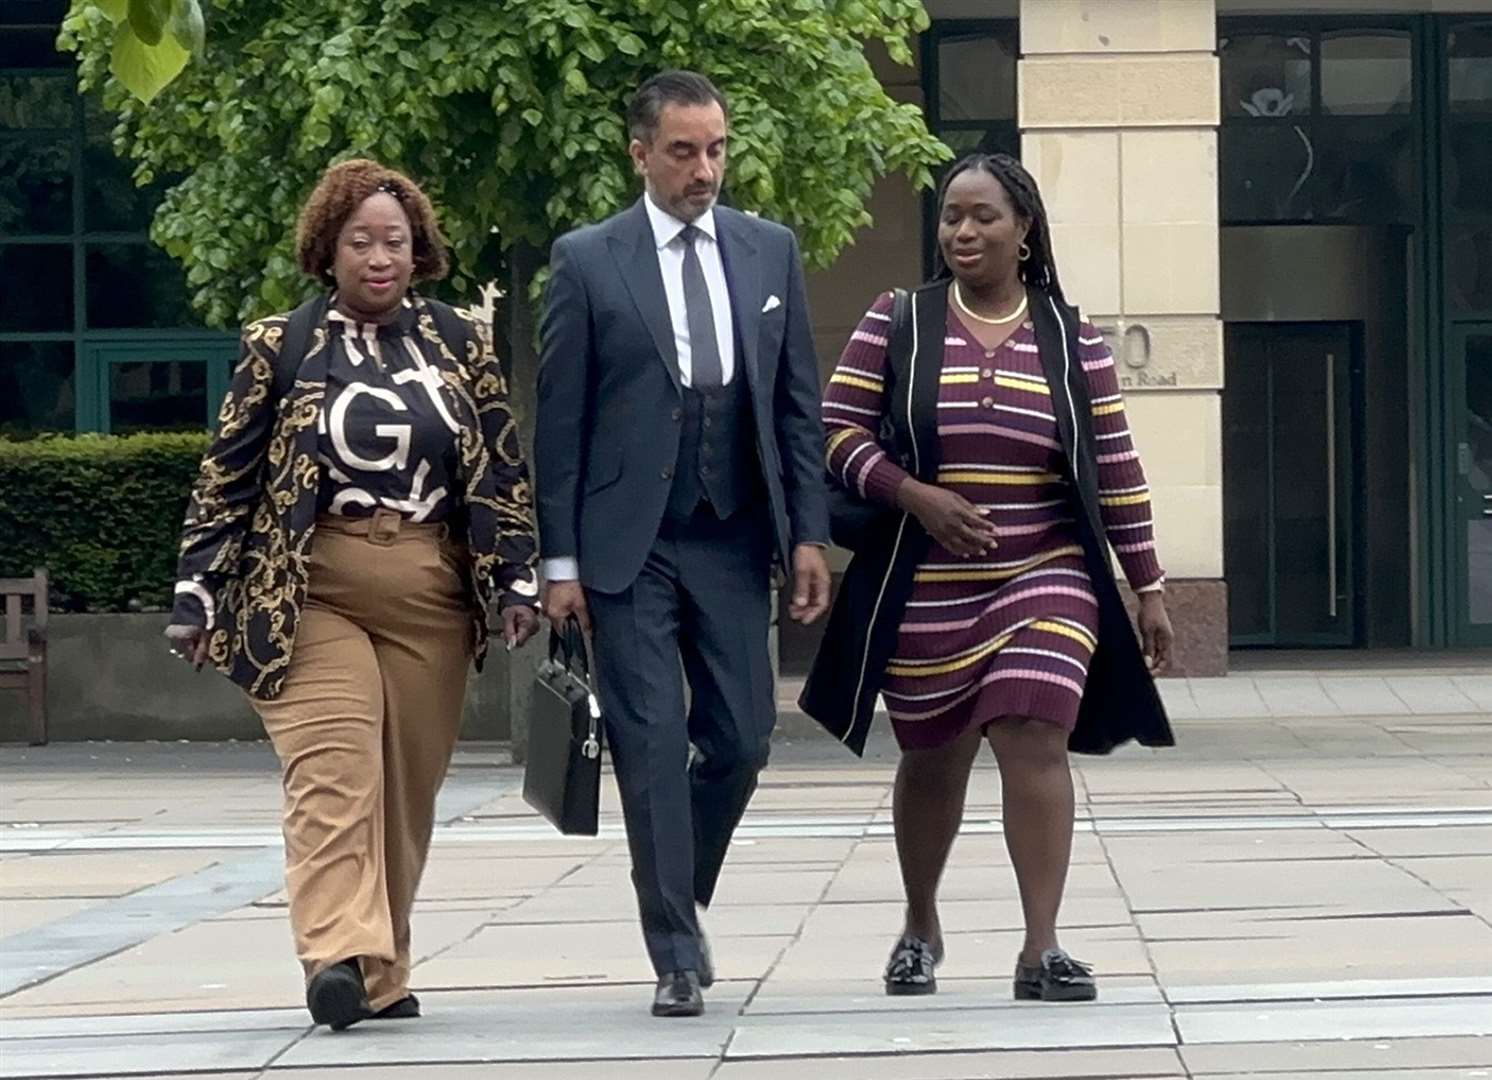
(296, 342)
(450, 326)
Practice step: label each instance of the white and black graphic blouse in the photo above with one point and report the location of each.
(386, 439)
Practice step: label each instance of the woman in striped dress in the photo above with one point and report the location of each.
(997, 635)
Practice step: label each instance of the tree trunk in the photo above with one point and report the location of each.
(522, 363)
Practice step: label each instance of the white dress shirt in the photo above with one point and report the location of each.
(666, 230)
(666, 235)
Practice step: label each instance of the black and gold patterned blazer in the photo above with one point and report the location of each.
(252, 515)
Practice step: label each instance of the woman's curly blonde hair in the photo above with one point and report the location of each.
(345, 187)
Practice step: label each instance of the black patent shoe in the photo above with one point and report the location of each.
(406, 1008)
(337, 997)
(910, 969)
(1057, 978)
(678, 995)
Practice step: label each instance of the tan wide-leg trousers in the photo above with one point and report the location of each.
(364, 730)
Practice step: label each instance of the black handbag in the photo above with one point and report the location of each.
(852, 520)
(562, 777)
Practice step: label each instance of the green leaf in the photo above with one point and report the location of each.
(117, 10)
(533, 117)
(575, 82)
(148, 19)
(591, 51)
(146, 70)
(188, 27)
(630, 44)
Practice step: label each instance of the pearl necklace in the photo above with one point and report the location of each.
(1003, 320)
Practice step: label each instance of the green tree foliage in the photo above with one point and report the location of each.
(510, 112)
(152, 41)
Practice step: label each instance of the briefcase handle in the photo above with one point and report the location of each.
(567, 647)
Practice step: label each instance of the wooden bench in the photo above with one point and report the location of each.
(23, 649)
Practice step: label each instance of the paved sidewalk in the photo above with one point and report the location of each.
(1282, 896)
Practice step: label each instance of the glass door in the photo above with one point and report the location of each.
(1289, 509)
(1471, 365)
(153, 386)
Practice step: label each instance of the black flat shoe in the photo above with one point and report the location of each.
(678, 995)
(406, 1008)
(1057, 978)
(336, 996)
(909, 972)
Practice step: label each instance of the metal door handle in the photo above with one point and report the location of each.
(1331, 484)
(1487, 508)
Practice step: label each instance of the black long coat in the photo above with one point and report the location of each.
(1120, 701)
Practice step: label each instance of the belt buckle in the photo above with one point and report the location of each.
(383, 526)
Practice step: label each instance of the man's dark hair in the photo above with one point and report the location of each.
(1040, 269)
(668, 88)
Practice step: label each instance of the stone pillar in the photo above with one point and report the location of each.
(1118, 108)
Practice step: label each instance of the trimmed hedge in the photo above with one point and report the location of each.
(102, 513)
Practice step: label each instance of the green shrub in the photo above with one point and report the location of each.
(101, 512)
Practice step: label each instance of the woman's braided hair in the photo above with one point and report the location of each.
(1040, 268)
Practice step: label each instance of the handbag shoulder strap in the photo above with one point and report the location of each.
(296, 342)
(450, 326)
(899, 341)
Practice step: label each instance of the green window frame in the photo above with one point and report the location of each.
(135, 295)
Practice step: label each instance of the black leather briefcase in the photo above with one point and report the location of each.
(562, 778)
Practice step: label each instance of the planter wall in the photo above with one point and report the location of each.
(112, 677)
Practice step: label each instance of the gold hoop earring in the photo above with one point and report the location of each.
(1024, 251)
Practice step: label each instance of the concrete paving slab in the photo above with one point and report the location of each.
(27, 914)
(153, 1023)
(574, 1024)
(677, 1069)
(1064, 1064)
(1427, 694)
(1237, 872)
(1404, 1018)
(1341, 1058)
(779, 997)
(1013, 1027)
(134, 1055)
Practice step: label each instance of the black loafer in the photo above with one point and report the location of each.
(909, 972)
(1057, 978)
(679, 995)
(336, 996)
(406, 1008)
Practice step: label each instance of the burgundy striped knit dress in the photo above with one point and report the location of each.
(1010, 634)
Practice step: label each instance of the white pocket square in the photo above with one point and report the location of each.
(772, 304)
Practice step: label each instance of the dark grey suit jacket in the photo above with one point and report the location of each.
(609, 391)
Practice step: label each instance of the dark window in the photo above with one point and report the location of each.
(36, 185)
(152, 395)
(31, 47)
(1266, 75)
(1470, 64)
(1467, 167)
(976, 77)
(969, 81)
(37, 390)
(1367, 73)
(1319, 124)
(38, 292)
(135, 285)
(75, 259)
(28, 102)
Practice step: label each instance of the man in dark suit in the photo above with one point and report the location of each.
(679, 457)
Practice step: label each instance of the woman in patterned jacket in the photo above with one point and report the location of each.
(360, 508)
(981, 605)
